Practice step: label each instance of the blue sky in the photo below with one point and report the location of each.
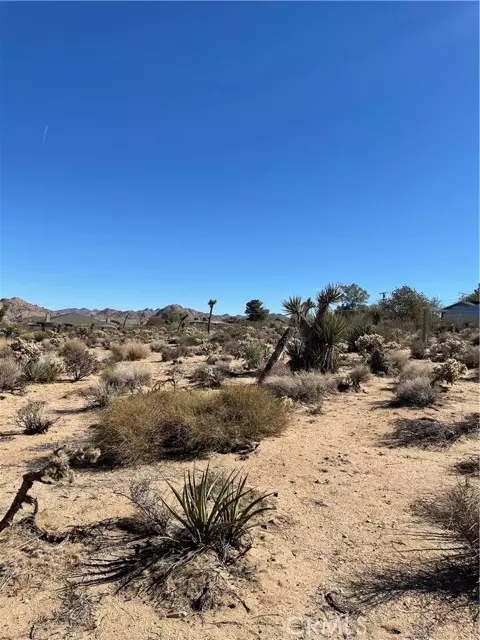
(237, 150)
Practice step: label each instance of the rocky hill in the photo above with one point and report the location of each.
(19, 310)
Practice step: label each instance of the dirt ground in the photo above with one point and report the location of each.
(343, 508)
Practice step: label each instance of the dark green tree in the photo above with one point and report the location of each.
(471, 297)
(255, 311)
(408, 304)
(353, 296)
(211, 304)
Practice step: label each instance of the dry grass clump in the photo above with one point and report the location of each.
(303, 387)
(359, 374)
(469, 466)
(415, 369)
(397, 360)
(47, 368)
(126, 376)
(172, 353)
(32, 419)
(470, 357)
(99, 395)
(79, 361)
(146, 427)
(208, 376)
(419, 349)
(429, 433)
(416, 392)
(130, 350)
(11, 374)
(157, 345)
(450, 575)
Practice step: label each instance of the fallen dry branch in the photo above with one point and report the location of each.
(56, 468)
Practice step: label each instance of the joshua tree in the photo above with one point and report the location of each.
(211, 304)
(319, 333)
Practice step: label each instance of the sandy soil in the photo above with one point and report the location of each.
(342, 509)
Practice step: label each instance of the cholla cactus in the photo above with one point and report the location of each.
(393, 346)
(451, 347)
(25, 351)
(368, 342)
(449, 371)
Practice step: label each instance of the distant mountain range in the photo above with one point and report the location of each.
(19, 310)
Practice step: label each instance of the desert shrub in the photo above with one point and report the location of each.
(172, 353)
(47, 368)
(419, 349)
(368, 342)
(254, 354)
(447, 346)
(450, 575)
(130, 350)
(11, 374)
(454, 511)
(357, 332)
(125, 376)
(208, 376)
(98, 395)
(476, 339)
(469, 466)
(40, 336)
(303, 387)
(157, 345)
(449, 371)
(233, 348)
(145, 427)
(25, 351)
(415, 369)
(280, 368)
(378, 361)
(470, 357)
(79, 361)
(416, 392)
(397, 361)
(430, 433)
(48, 345)
(32, 419)
(359, 374)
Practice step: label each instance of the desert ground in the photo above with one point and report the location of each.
(342, 507)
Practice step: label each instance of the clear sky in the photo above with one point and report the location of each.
(157, 153)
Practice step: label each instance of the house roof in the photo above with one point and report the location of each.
(461, 303)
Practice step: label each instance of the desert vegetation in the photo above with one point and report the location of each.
(148, 433)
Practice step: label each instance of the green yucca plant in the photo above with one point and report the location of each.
(320, 331)
(215, 510)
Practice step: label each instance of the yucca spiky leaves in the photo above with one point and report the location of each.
(214, 509)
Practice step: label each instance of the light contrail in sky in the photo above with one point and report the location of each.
(44, 135)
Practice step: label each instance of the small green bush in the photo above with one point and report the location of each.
(32, 419)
